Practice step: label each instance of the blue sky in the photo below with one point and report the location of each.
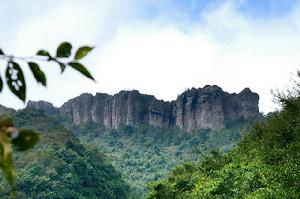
(191, 9)
(159, 47)
(14, 13)
(267, 8)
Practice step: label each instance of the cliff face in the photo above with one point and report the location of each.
(45, 106)
(208, 107)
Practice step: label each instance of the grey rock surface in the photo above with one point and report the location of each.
(43, 105)
(207, 107)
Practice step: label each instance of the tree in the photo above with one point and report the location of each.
(24, 139)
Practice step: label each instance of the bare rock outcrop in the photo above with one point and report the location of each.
(207, 107)
(43, 105)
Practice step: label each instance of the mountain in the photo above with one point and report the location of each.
(265, 164)
(203, 108)
(142, 137)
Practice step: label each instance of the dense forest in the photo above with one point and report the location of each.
(145, 154)
(60, 166)
(101, 138)
(87, 160)
(243, 160)
(265, 164)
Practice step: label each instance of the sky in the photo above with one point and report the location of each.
(160, 47)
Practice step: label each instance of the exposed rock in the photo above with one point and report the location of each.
(43, 105)
(208, 107)
(160, 114)
(200, 108)
(79, 109)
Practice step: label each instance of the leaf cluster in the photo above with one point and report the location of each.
(14, 75)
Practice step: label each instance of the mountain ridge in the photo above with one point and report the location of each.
(208, 107)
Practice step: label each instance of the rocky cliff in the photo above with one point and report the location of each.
(45, 106)
(208, 107)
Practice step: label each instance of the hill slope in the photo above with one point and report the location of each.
(60, 166)
(266, 164)
(144, 153)
(149, 139)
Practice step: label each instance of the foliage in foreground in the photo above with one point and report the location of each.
(15, 79)
(24, 139)
(20, 140)
(266, 164)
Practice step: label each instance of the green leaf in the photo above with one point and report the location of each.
(37, 73)
(44, 53)
(64, 50)
(1, 84)
(26, 139)
(62, 66)
(1, 52)
(15, 80)
(79, 67)
(82, 52)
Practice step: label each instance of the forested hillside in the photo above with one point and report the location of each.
(265, 164)
(145, 99)
(88, 160)
(145, 154)
(60, 166)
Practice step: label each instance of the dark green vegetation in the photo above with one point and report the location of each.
(265, 164)
(60, 166)
(11, 137)
(76, 160)
(144, 153)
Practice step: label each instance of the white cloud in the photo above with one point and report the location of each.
(229, 50)
(75, 21)
(158, 57)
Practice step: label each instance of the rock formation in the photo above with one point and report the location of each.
(42, 105)
(208, 107)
